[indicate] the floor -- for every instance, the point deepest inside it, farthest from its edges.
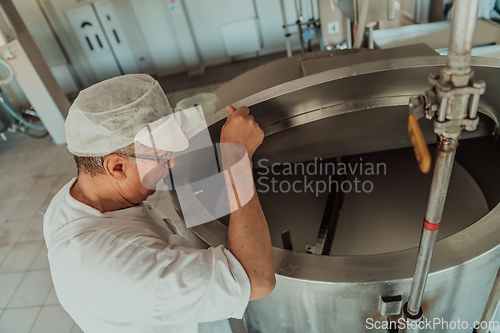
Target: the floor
(33, 171)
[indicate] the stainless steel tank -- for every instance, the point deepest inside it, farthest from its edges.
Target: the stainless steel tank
(355, 104)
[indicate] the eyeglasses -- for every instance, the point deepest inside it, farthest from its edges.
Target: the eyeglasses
(157, 159)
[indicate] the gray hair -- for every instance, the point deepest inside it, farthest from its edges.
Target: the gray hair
(94, 165)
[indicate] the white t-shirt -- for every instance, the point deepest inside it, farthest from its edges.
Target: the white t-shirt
(123, 271)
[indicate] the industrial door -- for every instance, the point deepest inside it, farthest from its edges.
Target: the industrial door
(102, 40)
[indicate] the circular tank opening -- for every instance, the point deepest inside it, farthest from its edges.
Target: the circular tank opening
(382, 209)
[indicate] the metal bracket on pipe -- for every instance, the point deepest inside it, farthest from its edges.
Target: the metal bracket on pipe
(468, 124)
(439, 104)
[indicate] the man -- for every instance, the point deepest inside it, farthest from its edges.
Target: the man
(116, 265)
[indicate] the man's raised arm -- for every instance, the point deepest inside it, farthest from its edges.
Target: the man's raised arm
(248, 234)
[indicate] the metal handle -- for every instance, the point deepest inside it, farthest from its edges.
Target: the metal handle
(419, 145)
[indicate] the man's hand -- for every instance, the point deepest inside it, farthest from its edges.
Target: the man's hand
(241, 128)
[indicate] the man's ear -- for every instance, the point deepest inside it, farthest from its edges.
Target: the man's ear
(114, 165)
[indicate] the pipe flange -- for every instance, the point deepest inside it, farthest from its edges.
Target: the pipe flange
(410, 316)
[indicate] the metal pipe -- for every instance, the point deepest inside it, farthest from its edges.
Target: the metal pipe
(371, 45)
(301, 37)
(19, 118)
(412, 321)
(474, 106)
(462, 30)
(299, 13)
(427, 241)
(445, 156)
(475, 98)
(348, 33)
(312, 11)
(320, 36)
(299, 24)
(285, 27)
(288, 47)
(491, 306)
(360, 31)
(442, 110)
(458, 72)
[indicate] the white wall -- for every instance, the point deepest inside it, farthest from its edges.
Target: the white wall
(162, 40)
(157, 32)
(208, 16)
(40, 30)
(130, 26)
(206, 19)
(55, 11)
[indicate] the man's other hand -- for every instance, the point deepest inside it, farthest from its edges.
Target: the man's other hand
(241, 128)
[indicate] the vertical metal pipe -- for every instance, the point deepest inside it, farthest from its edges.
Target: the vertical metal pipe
(445, 156)
(285, 28)
(371, 45)
(320, 36)
(462, 30)
(427, 241)
(442, 110)
(313, 17)
(474, 106)
(417, 10)
(348, 33)
(288, 46)
(491, 306)
(360, 32)
(300, 17)
(457, 71)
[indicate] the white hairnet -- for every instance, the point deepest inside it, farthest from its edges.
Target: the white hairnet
(108, 115)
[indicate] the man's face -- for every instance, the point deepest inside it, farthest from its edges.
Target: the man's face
(150, 166)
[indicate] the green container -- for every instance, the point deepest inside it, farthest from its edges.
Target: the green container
(207, 101)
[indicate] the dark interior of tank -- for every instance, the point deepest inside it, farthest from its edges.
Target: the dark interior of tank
(384, 196)
(373, 202)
